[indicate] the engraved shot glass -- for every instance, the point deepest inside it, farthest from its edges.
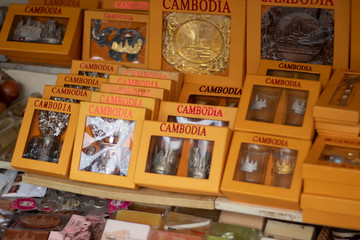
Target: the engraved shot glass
(200, 159)
(284, 165)
(296, 101)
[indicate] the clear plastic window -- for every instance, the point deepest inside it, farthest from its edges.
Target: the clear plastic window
(341, 155)
(346, 90)
(198, 121)
(293, 74)
(94, 74)
(214, 101)
(65, 99)
(95, 89)
(107, 145)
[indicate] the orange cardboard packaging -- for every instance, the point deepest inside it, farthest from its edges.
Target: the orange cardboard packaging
(166, 84)
(123, 5)
(93, 68)
(66, 94)
(178, 77)
(43, 34)
(203, 39)
(355, 36)
(106, 144)
(348, 130)
(340, 99)
(197, 114)
(121, 37)
(151, 104)
(158, 93)
(332, 167)
(84, 4)
(278, 106)
(46, 137)
(227, 96)
(304, 71)
(182, 158)
(264, 169)
(314, 32)
(76, 81)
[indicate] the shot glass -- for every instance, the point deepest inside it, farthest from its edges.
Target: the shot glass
(200, 159)
(284, 165)
(296, 101)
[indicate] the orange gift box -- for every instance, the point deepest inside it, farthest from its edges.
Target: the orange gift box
(33, 33)
(46, 148)
(182, 158)
(106, 144)
(265, 170)
(355, 36)
(124, 5)
(85, 82)
(278, 106)
(197, 114)
(274, 32)
(93, 68)
(84, 4)
(66, 93)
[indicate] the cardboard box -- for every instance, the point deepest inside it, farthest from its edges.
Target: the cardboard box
(43, 34)
(168, 150)
(355, 36)
(352, 130)
(340, 99)
(197, 114)
(84, 4)
(314, 72)
(151, 104)
(77, 81)
(158, 93)
(166, 84)
(278, 106)
(241, 219)
(265, 170)
(115, 229)
(120, 37)
(46, 149)
(330, 211)
(93, 68)
(204, 40)
(178, 77)
(66, 94)
(227, 96)
(106, 144)
(334, 161)
(135, 5)
(286, 230)
(274, 32)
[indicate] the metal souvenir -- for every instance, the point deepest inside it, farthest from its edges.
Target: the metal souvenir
(199, 163)
(248, 166)
(126, 41)
(164, 161)
(95, 89)
(347, 86)
(297, 34)
(284, 167)
(197, 43)
(94, 74)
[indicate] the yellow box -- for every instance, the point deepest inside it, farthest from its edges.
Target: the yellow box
(65, 93)
(120, 37)
(76, 81)
(208, 145)
(340, 99)
(138, 5)
(166, 84)
(353, 130)
(178, 77)
(197, 114)
(329, 211)
(278, 106)
(151, 104)
(106, 144)
(355, 36)
(227, 96)
(253, 162)
(45, 149)
(23, 36)
(93, 68)
(157, 93)
(334, 133)
(274, 32)
(85, 4)
(203, 39)
(315, 72)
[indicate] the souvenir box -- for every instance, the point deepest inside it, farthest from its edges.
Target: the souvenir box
(330, 211)
(45, 34)
(348, 130)
(187, 113)
(124, 5)
(227, 96)
(46, 137)
(340, 99)
(182, 158)
(315, 32)
(333, 167)
(204, 39)
(93, 68)
(66, 94)
(278, 106)
(84, 4)
(78, 81)
(265, 170)
(158, 93)
(178, 77)
(106, 144)
(120, 37)
(355, 36)
(166, 84)
(151, 104)
(315, 72)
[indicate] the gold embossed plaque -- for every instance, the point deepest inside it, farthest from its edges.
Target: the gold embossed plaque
(196, 43)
